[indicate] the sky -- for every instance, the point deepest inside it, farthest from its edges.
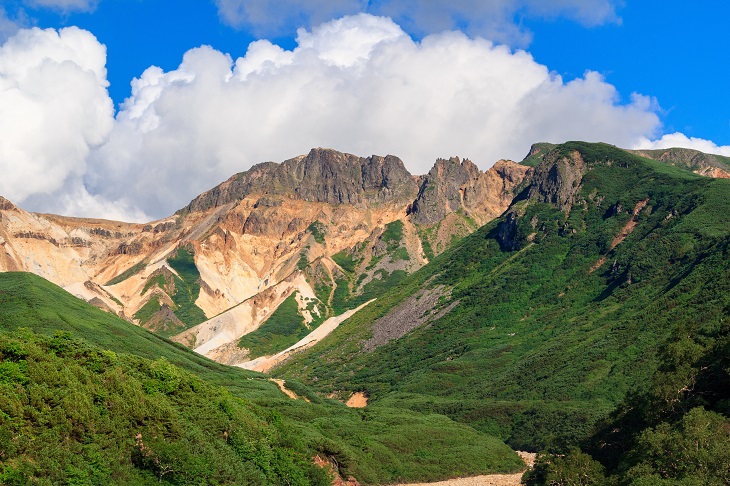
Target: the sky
(127, 109)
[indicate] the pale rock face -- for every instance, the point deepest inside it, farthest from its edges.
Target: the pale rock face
(242, 319)
(253, 235)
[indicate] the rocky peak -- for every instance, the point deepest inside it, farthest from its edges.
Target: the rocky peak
(454, 184)
(556, 180)
(441, 189)
(323, 175)
(326, 175)
(6, 205)
(234, 189)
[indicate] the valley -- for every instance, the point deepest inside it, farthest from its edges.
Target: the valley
(574, 303)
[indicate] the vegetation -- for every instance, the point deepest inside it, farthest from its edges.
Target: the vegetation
(346, 261)
(72, 413)
(393, 234)
(597, 334)
(357, 285)
(318, 230)
(133, 270)
(547, 336)
(28, 301)
(677, 431)
(424, 234)
(71, 410)
(148, 310)
(183, 289)
(535, 159)
(283, 328)
(158, 280)
(187, 287)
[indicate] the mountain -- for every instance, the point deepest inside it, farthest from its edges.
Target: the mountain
(578, 299)
(327, 229)
(700, 163)
(537, 325)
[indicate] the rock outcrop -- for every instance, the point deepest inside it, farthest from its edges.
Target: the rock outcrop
(557, 179)
(323, 175)
(453, 185)
(708, 165)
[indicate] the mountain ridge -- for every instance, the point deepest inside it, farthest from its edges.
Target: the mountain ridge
(353, 226)
(255, 231)
(603, 280)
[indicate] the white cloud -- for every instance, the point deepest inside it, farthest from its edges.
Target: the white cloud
(54, 107)
(678, 139)
(358, 84)
(494, 19)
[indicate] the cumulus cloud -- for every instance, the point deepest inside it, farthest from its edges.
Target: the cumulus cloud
(494, 19)
(54, 108)
(357, 84)
(681, 140)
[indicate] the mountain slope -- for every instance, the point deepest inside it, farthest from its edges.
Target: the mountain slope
(79, 385)
(694, 160)
(545, 318)
(220, 267)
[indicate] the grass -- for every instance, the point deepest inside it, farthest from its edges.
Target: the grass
(346, 261)
(284, 327)
(133, 270)
(158, 280)
(393, 234)
(187, 287)
(28, 301)
(148, 310)
(317, 229)
(425, 234)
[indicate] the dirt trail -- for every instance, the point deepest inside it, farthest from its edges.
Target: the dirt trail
(287, 392)
(486, 480)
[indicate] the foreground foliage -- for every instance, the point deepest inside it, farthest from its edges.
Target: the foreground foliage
(87, 398)
(72, 413)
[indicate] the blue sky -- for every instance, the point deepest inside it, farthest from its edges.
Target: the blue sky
(632, 73)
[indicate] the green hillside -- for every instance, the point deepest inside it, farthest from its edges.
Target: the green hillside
(28, 301)
(79, 386)
(552, 313)
(72, 413)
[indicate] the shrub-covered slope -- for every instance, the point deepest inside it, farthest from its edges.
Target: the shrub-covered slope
(676, 431)
(549, 315)
(72, 413)
(88, 398)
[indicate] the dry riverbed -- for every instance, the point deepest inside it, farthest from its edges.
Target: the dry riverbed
(486, 480)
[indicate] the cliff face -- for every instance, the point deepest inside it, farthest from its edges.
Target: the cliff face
(453, 185)
(557, 179)
(323, 175)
